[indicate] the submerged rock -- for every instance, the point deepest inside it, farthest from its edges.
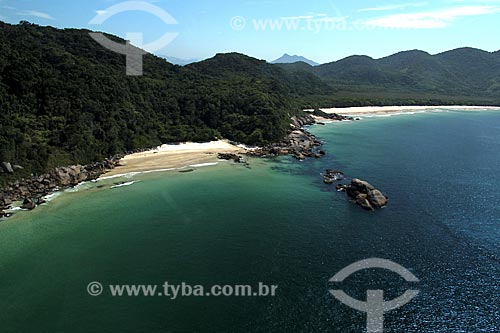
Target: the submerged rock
(341, 188)
(186, 170)
(331, 176)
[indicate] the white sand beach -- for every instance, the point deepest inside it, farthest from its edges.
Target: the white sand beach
(174, 156)
(381, 110)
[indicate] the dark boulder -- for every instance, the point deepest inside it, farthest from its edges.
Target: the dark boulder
(377, 199)
(61, 176)
(230, 157)
(28, 204)
(334, 174)
(363, 201)
(186, 170)
(361, 185)
(5, 202)
(341, 188)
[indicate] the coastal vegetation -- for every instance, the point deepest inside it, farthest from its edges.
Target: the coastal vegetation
(66, 100)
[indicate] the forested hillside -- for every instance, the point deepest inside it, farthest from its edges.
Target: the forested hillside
(65, 99)
(464, 75)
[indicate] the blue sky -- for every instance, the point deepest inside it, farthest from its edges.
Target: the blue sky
(322, 30)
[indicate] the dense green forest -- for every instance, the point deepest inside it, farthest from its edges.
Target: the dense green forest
(64, 99)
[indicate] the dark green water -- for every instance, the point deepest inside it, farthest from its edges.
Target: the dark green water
(274, 223)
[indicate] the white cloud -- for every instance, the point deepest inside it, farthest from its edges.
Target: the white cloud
(430, 20)
(313, 17)
(393, 7)
(36, 14)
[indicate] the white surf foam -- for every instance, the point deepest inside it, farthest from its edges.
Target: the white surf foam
(203, 165)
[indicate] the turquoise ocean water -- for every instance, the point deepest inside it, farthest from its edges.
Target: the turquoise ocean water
(274, 222)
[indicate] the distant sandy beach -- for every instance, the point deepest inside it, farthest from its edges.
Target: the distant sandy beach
(174, 157)
(381, 110)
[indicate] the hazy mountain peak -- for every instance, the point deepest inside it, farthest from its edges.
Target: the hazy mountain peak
(179, 61)
(290, 59)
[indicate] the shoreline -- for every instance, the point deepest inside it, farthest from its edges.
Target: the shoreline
(182, 157)
(187, 156)
(387, 110)
(170, 157)
(173, 157)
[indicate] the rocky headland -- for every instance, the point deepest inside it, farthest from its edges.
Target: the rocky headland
(31, 191)
(299, 142)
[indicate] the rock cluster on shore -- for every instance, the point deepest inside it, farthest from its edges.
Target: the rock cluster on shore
(230, 157)
(337, 117)
(298, 143)
(32, 190)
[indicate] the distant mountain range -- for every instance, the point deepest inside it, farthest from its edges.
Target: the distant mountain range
(289, 59)
(464, 72)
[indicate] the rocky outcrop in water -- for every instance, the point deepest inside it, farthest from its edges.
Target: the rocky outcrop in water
(33, 189)
(365, 194)
(331, 176)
